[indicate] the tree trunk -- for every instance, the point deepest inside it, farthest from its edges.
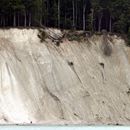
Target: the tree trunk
(14, 19)
(59, 13)
(76, 15)
(29, 19)
(47, 19)
(25, 19)
(65, 22)
(110, 24)
(7, 20)
(40, 21)
(0, 21)
(92, 19)
(100, 22)
(4, 22)
(41, 16)
(10, 20)
(18, 19)
(84, 17)
(73, 3)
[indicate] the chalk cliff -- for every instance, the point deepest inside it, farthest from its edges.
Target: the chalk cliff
(75, 83)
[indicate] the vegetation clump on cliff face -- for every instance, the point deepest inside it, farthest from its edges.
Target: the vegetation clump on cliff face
(76, 36)
(107, 48)
(42, 35)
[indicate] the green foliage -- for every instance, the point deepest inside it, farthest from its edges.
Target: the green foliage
(16, 5)
(112, 15)
(76, 36)
(37, 10)
(107, 49)
(54, 15)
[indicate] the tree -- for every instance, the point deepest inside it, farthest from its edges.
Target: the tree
(96, 13)
(120, 14)
(73, 4)
(92, 15)
(59, 13)
(36, 9)
(4, 7)
(84, 14)
(15, 6)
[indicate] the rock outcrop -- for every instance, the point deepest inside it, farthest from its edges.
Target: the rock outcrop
(74, 83)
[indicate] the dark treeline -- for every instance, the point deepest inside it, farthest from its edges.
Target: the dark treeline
(91, 15)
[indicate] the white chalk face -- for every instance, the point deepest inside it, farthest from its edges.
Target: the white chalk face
(41, 83)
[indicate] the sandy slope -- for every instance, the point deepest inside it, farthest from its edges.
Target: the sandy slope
(39, 83)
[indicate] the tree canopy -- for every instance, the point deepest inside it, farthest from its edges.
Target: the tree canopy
(90, 15)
